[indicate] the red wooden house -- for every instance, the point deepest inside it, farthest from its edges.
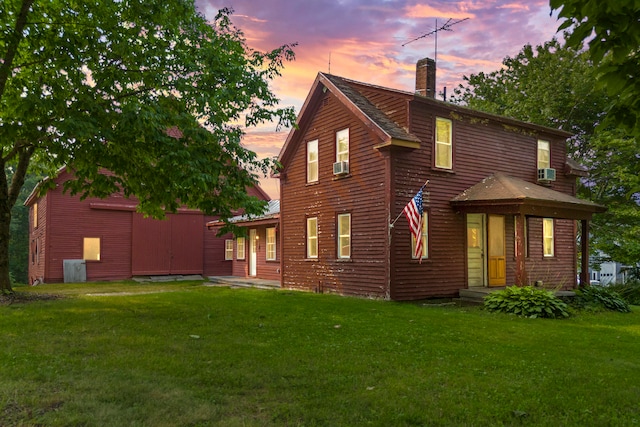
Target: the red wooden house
(115, 241)
(500, 208)
(257, 253)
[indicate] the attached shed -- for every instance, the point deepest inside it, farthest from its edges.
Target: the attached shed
(256, 253)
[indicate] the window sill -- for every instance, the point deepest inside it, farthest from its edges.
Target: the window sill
(449, 171)
(339, 177)
(344, 259)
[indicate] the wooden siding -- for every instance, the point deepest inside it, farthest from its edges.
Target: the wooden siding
(38, 241)
(181, 244)
(382, 181)
(361, 193)
(480, 148)
(265, 269)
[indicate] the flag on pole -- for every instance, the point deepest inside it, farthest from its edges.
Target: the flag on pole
(413, 211)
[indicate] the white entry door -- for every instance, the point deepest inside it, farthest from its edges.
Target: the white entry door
(253, 252)
(476, 231)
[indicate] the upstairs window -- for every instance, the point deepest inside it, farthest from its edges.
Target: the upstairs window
(544, 155)
(312, 161)
(271, 244)
(342, 145)
(35, 215)
(344, 236)
(444, 144)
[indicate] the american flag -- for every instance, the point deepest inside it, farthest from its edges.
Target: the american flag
(413, 211)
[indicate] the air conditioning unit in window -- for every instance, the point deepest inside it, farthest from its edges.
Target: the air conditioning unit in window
(546, 174)
(340, 168)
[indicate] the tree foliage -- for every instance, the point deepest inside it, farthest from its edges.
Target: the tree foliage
(612, 30)
(550, 85)
(147, 89)
(555, 86)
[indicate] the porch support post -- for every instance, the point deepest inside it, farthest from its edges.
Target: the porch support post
(584, 241)
(521, 270)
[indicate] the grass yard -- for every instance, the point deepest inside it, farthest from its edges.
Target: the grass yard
(199, 356)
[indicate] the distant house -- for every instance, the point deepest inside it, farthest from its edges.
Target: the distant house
(257, 253)
(115, 242)
(499, 207)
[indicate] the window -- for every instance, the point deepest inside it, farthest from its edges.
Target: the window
(425, 240)
(312, 161)
(547, 233)
(35, 215)
(271, 244)
(240, 248)
(444, 145)
(344, 236)
(312, 237)
(544, 155)
(228, 250)
(91, 249)
(342, 145)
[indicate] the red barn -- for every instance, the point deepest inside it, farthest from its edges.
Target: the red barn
(499, 207)
(115, 241)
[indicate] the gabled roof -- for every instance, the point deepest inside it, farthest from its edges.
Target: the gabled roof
(271, 215)
(372, 117)
(390, 132)
(500, 193)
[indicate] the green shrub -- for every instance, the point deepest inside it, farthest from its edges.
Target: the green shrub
(526, 301)
(601, 297)
(630, 291)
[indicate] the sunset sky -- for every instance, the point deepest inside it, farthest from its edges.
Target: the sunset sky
(363, 40)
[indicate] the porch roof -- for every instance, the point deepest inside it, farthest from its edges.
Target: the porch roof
(503, 194)
(271, 215)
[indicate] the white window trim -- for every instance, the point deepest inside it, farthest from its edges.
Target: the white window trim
(271, 246)
(312, 163)
(342, 155)
(228, 250)
(240, 248)
(425, 238)
(546, 235)
(342, 235)
(312, 239)
(448, 145)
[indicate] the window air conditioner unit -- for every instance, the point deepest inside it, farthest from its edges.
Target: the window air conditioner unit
(340, 168)
(546, 174)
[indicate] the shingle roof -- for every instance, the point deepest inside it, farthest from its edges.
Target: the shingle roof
(374, 114)
(500, 190)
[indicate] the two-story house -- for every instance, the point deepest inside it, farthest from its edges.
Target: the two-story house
(499, 207)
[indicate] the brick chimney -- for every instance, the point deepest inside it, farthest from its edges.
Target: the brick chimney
(426, 77)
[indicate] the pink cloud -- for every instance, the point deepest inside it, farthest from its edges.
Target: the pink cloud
(364, 40)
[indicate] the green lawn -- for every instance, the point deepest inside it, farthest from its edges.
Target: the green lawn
(194, 355)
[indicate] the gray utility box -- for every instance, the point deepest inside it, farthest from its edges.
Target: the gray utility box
(75, 270)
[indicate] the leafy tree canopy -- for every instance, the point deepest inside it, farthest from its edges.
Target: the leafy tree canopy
(147, 89)
(612, 30)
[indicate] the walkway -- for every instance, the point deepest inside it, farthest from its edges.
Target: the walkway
(244, 282)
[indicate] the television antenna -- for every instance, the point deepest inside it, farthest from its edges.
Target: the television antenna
(445, 27)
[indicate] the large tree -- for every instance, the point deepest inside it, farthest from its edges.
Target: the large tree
(555, 85)
(146, 89)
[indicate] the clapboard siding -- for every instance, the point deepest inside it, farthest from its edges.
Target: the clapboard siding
(387, 167)
(130, 244)
(361, 194)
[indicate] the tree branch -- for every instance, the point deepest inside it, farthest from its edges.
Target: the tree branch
(14, 41)
(17, 181)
